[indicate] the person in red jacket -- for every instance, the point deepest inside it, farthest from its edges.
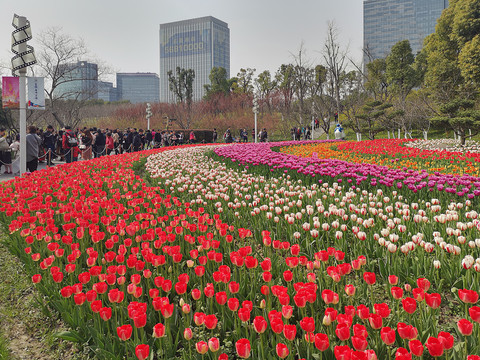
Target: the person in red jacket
(109, 144)
(70, 145)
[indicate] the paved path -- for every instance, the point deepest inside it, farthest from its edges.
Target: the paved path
(16, 169)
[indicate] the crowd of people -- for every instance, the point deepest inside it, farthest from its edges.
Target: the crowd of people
(301, 133)
(71, 145)
(243, 136)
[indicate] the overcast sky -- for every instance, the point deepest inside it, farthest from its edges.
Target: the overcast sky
(125, 34)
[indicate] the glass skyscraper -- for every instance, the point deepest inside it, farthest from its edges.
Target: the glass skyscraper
(138, 87)
(199, 44)
(77, 81)
(386, 22)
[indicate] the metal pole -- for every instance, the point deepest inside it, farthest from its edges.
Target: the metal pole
(22, 21)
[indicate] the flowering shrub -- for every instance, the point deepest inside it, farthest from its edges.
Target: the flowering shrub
(206, 259)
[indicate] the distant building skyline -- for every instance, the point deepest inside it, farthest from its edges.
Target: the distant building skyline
(198, 44)
(138, 87)
(78, 81)
(386, 22)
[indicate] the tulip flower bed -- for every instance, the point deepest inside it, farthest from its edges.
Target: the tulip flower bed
(253, 258)
(399, 154)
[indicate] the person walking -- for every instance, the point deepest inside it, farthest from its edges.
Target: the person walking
(109, 144)
(215, 135)
(5, 152)
(33, 146)
(99, 144)
(86, 147)
(70, 145)
(193, 139)
(49, 141)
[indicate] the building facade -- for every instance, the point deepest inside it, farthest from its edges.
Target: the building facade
(199, 44)
(386, 22)
(78, 81)
(138, 87)
(107, 92)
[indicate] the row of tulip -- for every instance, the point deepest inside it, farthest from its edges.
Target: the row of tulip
(210, 260)
(294, 212)
(397, 154)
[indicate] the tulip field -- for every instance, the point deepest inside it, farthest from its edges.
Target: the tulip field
(291, 250)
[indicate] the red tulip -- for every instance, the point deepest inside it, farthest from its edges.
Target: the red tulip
(434, 346)
(369, 278)
(433, 300)
(393, 279)
(287, 275)
(287, 311)
(289, 331)
(402, 354)
(409, 305)
(223, 356)
(260, 324)
(321, 342)
(375, 321)
(473, 357)
(468, 296)
(105, 313)
(244, 314)
(307, 324)
(210, 322)
(342, 352)
(360, 330)
(363, 312)
(418, 294)
(396, 292)
(277, 325)
(423, 283)
(243, 348)
(416, 347)
(282, 350)
(233, 304)
(465, 327)
(142, 351)
(343, 331)
(446, 339)
(124, 332)
(221, 297)
(382, 309)
(407, 331)
(36, 278)
(198, 318)
(213, 344)
(359, 343)
(233, 287)
(159, 331)
(201, 347)
(388, 335)
(187, 334)
(474, 312)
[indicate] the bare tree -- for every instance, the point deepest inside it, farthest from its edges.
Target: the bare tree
(59, 57)
(336, 62)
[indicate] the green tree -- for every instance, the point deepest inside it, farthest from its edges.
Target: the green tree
(400, 70)
(453, 59)
(376, 83)
(244, 81)
(218, 83)
(181, 85)
(373, 117)
(265, 86)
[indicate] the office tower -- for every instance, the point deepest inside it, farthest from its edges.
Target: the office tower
(138, 87)
(107, 92)
(78, 81)
(199, 44)
(386, 22)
